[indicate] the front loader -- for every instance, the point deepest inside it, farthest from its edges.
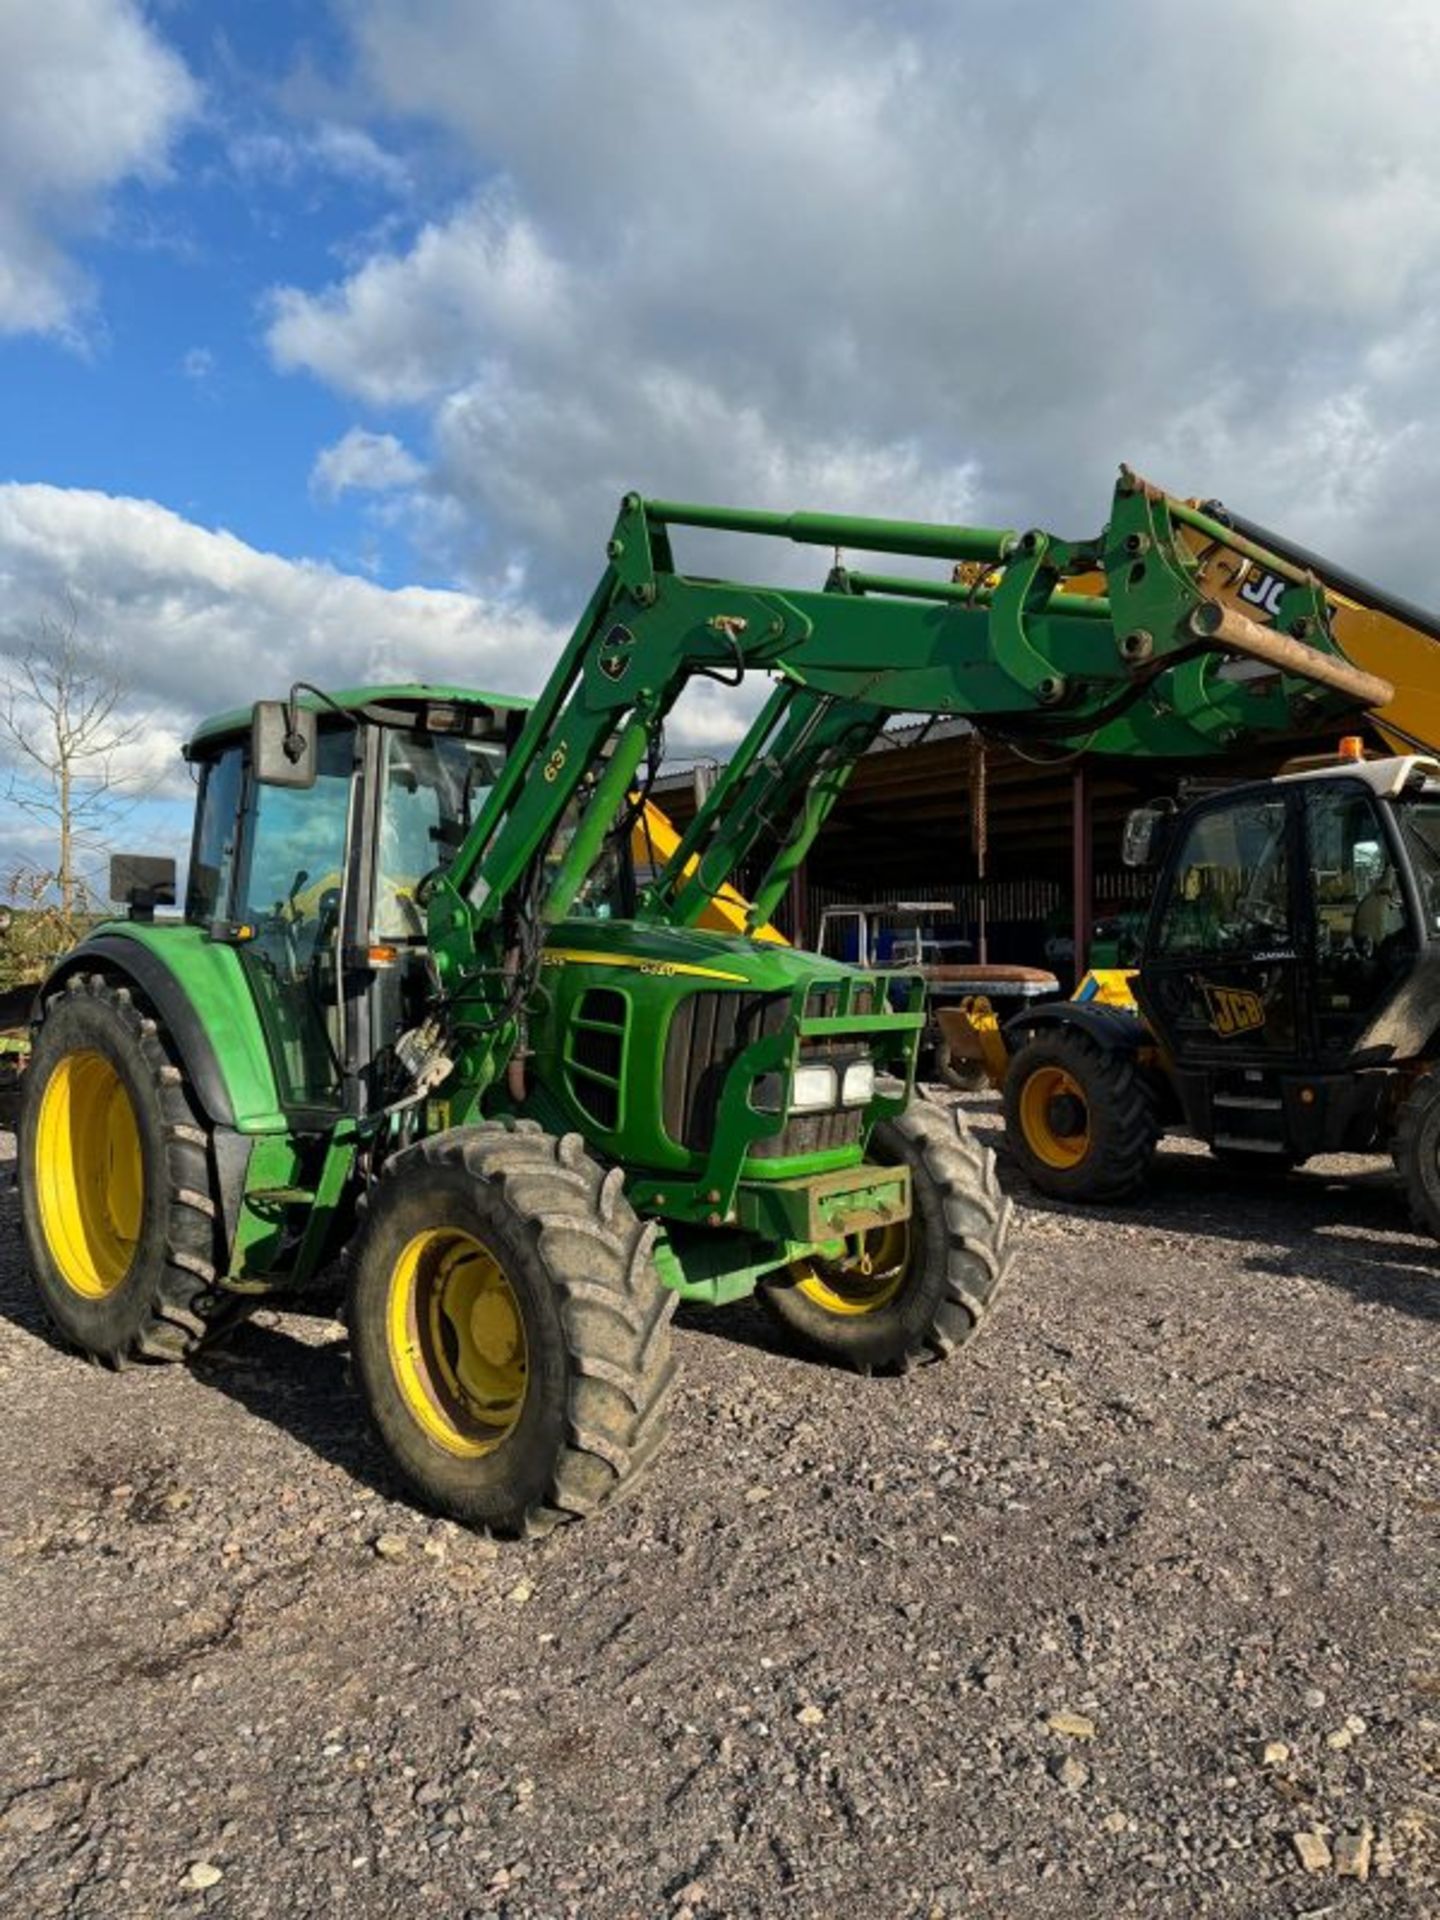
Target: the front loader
(422, 1025)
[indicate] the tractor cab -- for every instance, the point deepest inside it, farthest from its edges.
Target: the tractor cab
(317, 884)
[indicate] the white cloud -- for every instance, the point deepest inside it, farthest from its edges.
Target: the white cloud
(284, 155)
(198, 364)
(89, 98)
(951, 257)
(201, 621)
(407, 326)
(361, 461)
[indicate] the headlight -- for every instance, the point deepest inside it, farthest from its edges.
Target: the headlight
(857, 1089)
(813, 1090)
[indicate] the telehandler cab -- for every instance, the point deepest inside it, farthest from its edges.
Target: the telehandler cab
(418, 1013)
(1286, 1001)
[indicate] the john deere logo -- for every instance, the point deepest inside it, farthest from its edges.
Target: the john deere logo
(615, 653)
(1232, 1010)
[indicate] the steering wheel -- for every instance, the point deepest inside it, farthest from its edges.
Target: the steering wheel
(1262, 913)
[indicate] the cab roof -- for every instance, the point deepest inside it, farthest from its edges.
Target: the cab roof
(1389, 777)
(413, 694)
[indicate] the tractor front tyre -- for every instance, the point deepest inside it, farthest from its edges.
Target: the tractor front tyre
(117, 1195)
(921, 1288)
(509, 1331)
(1416, 1151)
(1082, 1119)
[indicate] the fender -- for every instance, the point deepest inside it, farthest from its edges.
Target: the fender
(1113, 1028)
(198, 990)
(140, 966)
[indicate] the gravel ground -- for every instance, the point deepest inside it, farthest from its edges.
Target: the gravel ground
(1129, 1611)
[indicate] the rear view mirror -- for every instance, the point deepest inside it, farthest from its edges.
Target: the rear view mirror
(282, 744)
(142, 882)
(1147, 834)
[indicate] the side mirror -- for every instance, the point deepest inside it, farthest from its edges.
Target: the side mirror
(1147, 834)
(142, 882)
(283, 744)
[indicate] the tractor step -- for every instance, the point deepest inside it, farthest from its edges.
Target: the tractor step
(1252, 1102)
(1249, 1143)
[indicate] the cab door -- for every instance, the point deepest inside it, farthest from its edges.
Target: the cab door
(294, 849)
(1221, 978)
(1364, 933)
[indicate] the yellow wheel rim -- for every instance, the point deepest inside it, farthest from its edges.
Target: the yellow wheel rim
(1055, 1117)
(89, 1174)
(457, 1342)
(863, 1282)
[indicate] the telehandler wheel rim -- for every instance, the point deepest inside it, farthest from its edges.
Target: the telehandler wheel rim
(457, 1342)
(1056, 1117)
(89, 1174)
(863, 1282)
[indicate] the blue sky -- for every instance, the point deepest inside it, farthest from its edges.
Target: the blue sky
(330, 334)
(171, 394)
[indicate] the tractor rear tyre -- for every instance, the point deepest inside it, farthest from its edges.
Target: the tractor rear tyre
(958, 1073)
(1082, 1119)
(1417, 1151)
(509, 1331)
(117, 1194)
(922, 1288)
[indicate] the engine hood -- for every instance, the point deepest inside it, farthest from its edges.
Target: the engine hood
(712, 959)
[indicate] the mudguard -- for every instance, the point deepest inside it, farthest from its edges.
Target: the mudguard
(197, 989)
(1114, 1028)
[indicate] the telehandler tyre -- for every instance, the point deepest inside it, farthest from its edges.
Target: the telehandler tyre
(1416, 1151)
(922, 1288)
(510, 1334)
(116, 1191)
(1083, 1120)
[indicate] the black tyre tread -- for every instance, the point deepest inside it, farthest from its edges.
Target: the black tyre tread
(1408, 1151)
(184, 1305)
(978, 1218)
(1131, 1112)
(597, 1254)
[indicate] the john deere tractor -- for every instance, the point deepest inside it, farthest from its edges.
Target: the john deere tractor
(419, 1027)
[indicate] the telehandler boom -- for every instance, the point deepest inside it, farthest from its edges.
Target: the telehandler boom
(416, 1013)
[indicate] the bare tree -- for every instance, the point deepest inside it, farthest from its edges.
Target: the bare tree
(62, 729)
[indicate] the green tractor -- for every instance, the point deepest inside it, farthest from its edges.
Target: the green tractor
(419, 1033)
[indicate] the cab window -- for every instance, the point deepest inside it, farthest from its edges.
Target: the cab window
(1230, 891)
(434, 785)
(217, 827)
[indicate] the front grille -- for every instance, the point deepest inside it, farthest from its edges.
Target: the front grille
(707, 1034)
(811, 1133)
(597, 1055)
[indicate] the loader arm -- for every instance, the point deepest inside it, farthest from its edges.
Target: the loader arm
(1144, 670)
